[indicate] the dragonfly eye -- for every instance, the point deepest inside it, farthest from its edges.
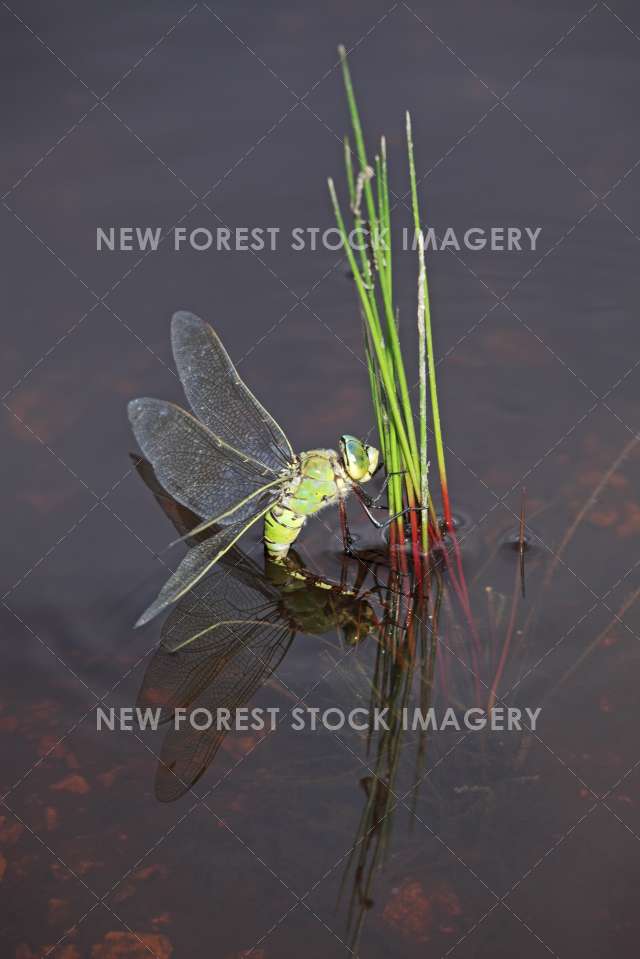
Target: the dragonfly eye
(373, 456)
(358, 460)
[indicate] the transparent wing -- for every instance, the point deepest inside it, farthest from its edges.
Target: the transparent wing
(196, 467)
(182, 518)
(198, 561)
(231, 593)
(225, 677)
(219, 397)
(174, 679)
(216, 614)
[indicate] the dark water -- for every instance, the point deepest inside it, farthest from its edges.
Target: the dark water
(520, 844)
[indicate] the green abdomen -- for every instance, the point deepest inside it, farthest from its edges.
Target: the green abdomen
(316, 486)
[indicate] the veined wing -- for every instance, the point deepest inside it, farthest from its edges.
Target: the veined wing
(177, 678)
(181, 516)
(196, 467)
(220, 398)
(225, 596)
(187, 752)
(188, 525)
(199, 560)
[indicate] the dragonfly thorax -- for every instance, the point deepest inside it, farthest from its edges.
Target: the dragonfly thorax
(320, 480)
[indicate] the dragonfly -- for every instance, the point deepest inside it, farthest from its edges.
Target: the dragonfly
(225, 639)
(230, 463)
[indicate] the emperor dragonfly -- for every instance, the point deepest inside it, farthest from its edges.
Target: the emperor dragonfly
(230, 462)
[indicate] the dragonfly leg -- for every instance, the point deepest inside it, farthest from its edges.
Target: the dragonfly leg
(363, 498)
(372, 501)
(347, 538)
(403, 512)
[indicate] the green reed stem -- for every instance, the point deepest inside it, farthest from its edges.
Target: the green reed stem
(435, 408)
(422, 372)
(384, 359)
(348, 165)
(379, 225)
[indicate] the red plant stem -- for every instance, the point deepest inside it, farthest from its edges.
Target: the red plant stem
(461, 586)
(446, 508)
(458, 580)
(401, 553)
(411, 640)
(507, 643)
(415, 538)
(463, 583)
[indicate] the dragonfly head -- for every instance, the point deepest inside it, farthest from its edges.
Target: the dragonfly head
(358, 621)
(359, 460)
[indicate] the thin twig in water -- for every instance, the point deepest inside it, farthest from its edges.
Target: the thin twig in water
(521, 539)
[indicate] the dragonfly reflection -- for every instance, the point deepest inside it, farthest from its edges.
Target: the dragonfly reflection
(224, 640)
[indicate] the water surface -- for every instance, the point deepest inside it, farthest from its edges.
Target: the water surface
(523, 845)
